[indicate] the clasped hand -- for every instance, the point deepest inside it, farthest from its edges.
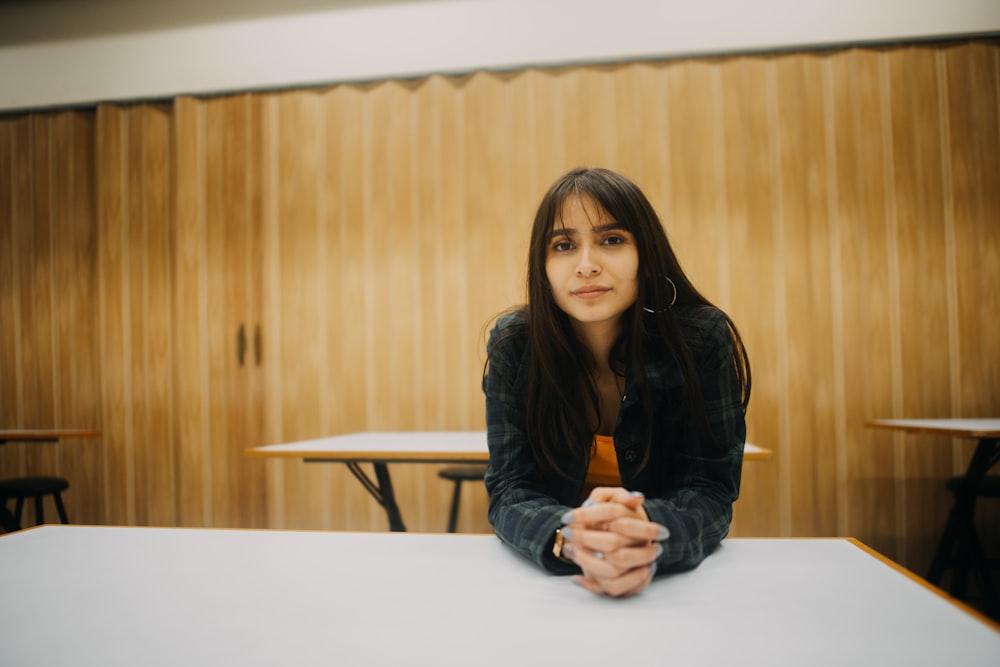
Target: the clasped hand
(613, 541)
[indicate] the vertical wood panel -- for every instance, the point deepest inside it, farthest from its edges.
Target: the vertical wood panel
(76, 329)
(747, 132)
(806, 234)
(586, 117)
(862, 215)
(920, 254)
(641, 130)
(232, 245)
(10, 292)
(47, 358)
(190, 316)
(152, 294)
(971, 99)
(252, 490)
(972, 78)
(223, 247)
(16, 251)
(297, 324)
(115, 349)
(692, 212)
(37, 310)
(344, 338)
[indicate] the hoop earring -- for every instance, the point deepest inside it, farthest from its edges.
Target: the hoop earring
(672, 301)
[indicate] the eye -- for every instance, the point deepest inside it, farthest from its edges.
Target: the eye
(562, 246)
(614, 239)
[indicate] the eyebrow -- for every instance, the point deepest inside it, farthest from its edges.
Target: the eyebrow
(599, 229)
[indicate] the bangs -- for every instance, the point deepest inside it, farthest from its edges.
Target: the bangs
(604, 188)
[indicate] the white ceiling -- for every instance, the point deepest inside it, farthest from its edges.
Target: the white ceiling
(57, 53)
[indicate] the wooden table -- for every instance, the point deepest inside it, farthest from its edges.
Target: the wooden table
(959, 534)
(381, 448)
(36, 435)
(157, 597)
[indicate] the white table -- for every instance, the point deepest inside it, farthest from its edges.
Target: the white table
(959, 535)
(381, 448)
(147, 596)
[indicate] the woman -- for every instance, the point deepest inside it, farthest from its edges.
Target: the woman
(617, 390)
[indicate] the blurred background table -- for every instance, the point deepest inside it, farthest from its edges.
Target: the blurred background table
(381, 448)
(959, 546)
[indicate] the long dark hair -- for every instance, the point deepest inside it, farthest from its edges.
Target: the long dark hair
(562, 396)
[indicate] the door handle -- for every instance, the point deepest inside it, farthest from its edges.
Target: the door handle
(256, 344)
(241, 344)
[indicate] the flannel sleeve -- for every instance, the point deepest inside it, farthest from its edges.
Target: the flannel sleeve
(704, 476)
(522, 510)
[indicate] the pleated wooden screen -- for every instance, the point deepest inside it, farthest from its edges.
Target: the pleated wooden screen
(843, 206)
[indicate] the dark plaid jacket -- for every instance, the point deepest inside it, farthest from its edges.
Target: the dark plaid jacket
(690, 483)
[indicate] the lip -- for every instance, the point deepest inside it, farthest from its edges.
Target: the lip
(590, 292)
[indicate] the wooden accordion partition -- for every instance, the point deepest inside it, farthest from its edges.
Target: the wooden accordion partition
(197, 276)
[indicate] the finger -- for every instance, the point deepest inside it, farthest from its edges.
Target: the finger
(625, 585)
(637, 530)
(598, 513)
(593, 562)
(604, 514)
(589, 584)
(600, 565)
(632, 500)
(615, 563)
(593, 540)
(629, 583)
(613, 494)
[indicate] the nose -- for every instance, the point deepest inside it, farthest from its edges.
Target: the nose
(588, 265)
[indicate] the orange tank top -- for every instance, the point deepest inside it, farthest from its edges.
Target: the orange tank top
(603, 470)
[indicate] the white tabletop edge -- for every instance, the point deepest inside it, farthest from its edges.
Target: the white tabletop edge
(259, 597)
(959, 427)
(406, 446)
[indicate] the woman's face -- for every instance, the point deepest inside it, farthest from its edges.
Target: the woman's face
(592, 263)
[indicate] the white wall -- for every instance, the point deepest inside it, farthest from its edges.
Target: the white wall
(353, 41)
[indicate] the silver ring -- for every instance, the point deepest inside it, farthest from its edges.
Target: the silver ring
(599, 555)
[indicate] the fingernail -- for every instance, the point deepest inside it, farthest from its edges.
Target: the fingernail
(659, 550)
(567, 517)
(588, 502)
(567, 533)
(568, 551)
(652, 570)
(663, 534)
(636, 494)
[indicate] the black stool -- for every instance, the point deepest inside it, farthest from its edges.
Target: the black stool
(21, 488)
(459, 474)
(971, 557)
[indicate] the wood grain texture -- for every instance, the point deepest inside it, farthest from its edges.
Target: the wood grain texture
(841, 205)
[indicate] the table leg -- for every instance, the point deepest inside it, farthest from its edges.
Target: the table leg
(7, 520)
(381, 491)
(960, 531)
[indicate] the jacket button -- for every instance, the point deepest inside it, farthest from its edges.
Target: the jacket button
(631, 456)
